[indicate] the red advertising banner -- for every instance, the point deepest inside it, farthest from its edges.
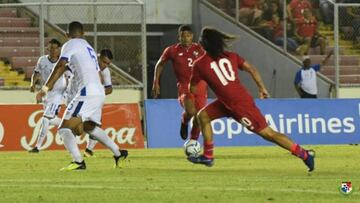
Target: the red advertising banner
(20, 126)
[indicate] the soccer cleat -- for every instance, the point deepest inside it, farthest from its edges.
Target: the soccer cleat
(74, 166)
(123, 155)
(34, 150)
(310, 160)
(201, 160)
(184, 131)
(89, 153)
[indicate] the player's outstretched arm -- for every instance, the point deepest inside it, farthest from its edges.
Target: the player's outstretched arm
(58, 70)
(263, 93)
(323, 62)
(159, 67)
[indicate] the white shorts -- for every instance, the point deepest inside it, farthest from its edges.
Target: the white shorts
(51, 109)
(88, 108)
(52, 104)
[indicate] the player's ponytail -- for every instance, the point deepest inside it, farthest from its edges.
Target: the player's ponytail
(214, 42)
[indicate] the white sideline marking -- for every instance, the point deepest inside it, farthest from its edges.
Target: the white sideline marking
(234, 189)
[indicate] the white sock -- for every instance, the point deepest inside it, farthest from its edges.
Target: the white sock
(55, 121)
(91, 144)
(70, 144)
(43, 132)
(101, 136)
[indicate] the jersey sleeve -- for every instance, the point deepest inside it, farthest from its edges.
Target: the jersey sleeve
(240, 61)
(37, 68)
(67, 51)
(297, 77)
(316, 67)
(166, 55)
(106, 77)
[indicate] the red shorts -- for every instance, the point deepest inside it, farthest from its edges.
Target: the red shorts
(245, 113)
(199, 98)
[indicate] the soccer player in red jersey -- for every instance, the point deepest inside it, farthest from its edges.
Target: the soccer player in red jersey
(182, 55)
(218, 68)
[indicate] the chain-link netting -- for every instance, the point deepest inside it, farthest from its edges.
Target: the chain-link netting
(348, 16)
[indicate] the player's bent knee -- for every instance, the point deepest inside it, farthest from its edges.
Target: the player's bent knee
(75, 124)
(89, 126)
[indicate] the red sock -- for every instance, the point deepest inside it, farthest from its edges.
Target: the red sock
(298, 151)
(195, 132)
(184, 118)
(209, 149)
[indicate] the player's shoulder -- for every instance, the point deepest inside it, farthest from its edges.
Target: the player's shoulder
(75, 42)
(106, 70)
(196, 45)
(43, 57)
(202, 59)
(172, 47)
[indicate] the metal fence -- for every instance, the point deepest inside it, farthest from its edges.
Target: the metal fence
(290, 26)
(119, 26)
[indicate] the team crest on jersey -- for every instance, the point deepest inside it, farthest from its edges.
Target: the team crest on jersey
(196, 53)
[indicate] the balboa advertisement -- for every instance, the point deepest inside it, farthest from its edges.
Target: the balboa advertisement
(20, 126)
(306, 121)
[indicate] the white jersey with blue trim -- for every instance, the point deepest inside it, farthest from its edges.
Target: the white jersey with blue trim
(73, 86)
(106, 76)
(83, 63)
(44, 67)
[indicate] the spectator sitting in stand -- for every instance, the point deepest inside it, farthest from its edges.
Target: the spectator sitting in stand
(296, 8)
(308, 35)
(278, 34)
(249, 12)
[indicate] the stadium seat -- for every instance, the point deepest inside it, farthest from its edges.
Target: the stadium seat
(348, 79)
(8, 12)
(344, 70)
(348, 60)
(21, 42)
(316, 50)
(15, 22)
(9, 52)
(22, 62)
(19, 32)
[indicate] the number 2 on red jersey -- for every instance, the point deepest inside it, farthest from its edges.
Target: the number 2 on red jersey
(223, 70)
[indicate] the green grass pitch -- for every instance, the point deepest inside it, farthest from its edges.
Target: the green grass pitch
(240, 174)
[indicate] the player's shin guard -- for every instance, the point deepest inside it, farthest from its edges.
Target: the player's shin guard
(91, 144)
(101, 136)
(298, 151)
(70, 144)
(209, 149)
(43, 132)
(195, 132)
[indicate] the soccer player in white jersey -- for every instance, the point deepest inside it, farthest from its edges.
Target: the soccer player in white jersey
(86, 107)
(54, 98)
(104, 58)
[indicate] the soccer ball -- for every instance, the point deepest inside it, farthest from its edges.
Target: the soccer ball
(192, 148)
